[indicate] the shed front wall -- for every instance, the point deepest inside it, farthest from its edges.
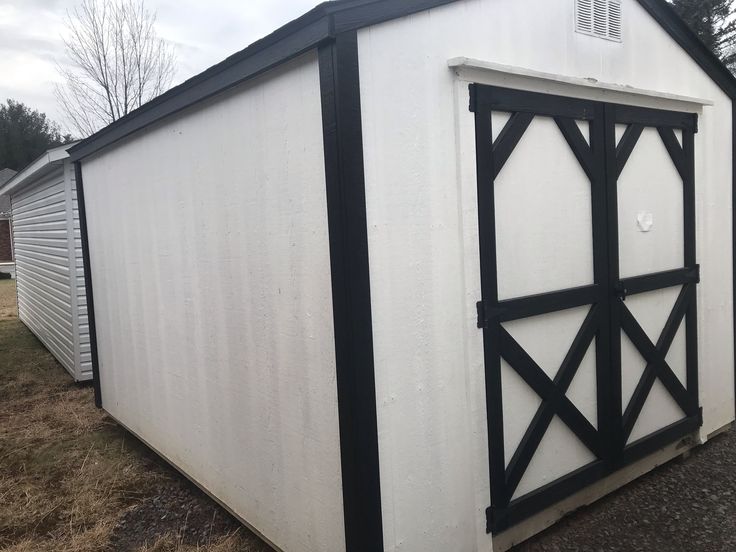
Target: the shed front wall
(48, 267)
(210, 260)
(423, 235)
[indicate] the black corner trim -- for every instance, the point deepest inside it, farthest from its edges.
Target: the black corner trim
(88, 284)
(351, 296)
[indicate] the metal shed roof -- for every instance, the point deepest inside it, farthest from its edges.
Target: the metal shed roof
(40, 166)
(322, 24)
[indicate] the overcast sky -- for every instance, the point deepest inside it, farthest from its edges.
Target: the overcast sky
(202, 31)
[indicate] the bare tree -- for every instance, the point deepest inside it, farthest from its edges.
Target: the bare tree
(117, 62)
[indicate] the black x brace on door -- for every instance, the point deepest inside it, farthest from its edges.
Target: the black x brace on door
(602, 157)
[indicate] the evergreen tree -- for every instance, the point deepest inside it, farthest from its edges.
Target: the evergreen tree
(25, 134)
(714, 21)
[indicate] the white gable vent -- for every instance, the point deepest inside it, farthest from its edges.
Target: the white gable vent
(601, 18)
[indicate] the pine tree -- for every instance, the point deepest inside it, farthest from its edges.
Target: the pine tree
(714, 21)
(25, 134)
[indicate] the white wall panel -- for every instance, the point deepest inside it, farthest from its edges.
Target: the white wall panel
(210, 261)
(650, 186)
(534, 230)
(423, 236)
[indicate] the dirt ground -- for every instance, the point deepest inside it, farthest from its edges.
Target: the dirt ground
(72, 481)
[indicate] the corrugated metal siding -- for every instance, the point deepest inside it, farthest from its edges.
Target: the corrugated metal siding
(41, 237)
(52, 300)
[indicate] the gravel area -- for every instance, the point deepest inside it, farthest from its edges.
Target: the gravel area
(179, 509)
(687, 505)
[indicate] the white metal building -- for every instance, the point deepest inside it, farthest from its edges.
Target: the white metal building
(7, 266)
(52, 300)
(462, 267)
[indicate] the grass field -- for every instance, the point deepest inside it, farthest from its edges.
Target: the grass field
(72, 480)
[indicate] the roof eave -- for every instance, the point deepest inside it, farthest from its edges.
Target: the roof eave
(305, 33)
(36, 168)
(322, 24)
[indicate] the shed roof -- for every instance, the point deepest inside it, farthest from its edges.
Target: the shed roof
(321, 25)
(41, 166)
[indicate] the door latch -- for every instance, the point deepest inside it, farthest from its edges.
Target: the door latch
(621, 291)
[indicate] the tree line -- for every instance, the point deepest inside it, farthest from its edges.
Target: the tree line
(714, 21)
(115, 62)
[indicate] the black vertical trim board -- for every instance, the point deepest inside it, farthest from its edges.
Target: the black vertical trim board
(612, 169)
(81, 207)
(346, 208)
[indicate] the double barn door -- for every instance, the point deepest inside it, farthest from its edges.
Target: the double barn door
(589, 274)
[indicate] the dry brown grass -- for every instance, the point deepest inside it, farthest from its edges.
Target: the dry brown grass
(7, 299)
(228, 543)
(67, 472)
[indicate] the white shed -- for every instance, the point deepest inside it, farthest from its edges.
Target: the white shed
(461, 267)
(52, 300)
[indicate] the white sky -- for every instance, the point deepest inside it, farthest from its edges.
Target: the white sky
(203, 32)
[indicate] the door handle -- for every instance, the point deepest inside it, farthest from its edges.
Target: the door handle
(620, 291)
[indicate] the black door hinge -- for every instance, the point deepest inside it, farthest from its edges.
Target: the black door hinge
(482, 318)
(620, 291)
(490, 519)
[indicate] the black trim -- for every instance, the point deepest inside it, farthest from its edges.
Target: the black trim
(632, 115)
(519, 101)
(544, 303)
(351, 294)
(659, 280)
(82, 210)
(305, 33)
(626, 146)
(602, 160)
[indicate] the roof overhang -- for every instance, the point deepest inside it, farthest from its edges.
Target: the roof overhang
(37, 169)
(323, 24)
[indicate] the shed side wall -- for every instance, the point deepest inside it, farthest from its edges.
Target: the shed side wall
(210, 260)
(84, 355)
(422, 220)
(41, 240)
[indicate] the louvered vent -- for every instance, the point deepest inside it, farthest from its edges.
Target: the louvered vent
(601, 18)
